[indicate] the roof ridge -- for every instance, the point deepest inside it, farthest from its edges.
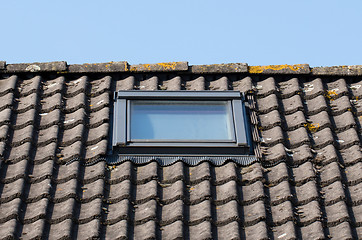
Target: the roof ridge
(63, 67)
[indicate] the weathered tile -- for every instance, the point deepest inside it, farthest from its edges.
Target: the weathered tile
(145, 230)
(285, 231)
(62, 211)
(90, 210)
(266, 87)
(292, 104)
(254, 213)
(341, 231)
(201, 231)
(313, 231)
(118, 211)
(60, 230)
(289, 87)
(336, 213)
(33, 230)
(229, 231)
(173, 231)
(119, 230)
(267, 104)
(257, 231)
(309, 213)
(89, 230)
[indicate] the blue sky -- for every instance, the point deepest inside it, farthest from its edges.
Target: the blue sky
(321, 33)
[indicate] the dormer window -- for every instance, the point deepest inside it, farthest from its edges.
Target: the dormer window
(180, 122)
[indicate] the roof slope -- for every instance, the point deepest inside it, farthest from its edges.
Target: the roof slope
(308, 184)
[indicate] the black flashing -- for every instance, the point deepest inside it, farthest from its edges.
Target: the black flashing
(189, 160)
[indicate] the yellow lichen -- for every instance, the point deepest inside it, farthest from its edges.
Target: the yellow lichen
(149, 67)
(261, 69)
(168, 66)
(331, 94)
(312, 127)
(140, 67)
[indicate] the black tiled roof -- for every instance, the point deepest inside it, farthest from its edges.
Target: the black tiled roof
(55, 184)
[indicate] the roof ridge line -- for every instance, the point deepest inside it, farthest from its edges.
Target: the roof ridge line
(62, 67)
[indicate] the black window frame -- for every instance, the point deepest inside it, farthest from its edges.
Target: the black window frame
(242, 144)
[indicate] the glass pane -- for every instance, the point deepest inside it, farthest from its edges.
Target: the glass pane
(181, 120)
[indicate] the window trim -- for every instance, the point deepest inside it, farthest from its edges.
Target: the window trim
(241, 129)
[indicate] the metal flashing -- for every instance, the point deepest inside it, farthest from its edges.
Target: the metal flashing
(189, 160)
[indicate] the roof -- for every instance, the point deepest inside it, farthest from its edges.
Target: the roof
(56, 184)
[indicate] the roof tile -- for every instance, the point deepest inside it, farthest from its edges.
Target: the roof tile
(313, 231)
(37, 67)
(54, 86)
(257, 231)
(36, 210)
(145, 230)
(201, 231)
(357, 213)
(160, 67)
(341, 231)
(282, 213)
(254, 213)
(53, 178)
(62, 211)
(336, 214)
(197, 84)
(220, 68)
(118, 211)
(10, 210)
(243, 84)
(355, 70)
(229, 231)
(33, 230)
(289, 87)
(119, 230)
(89, 211)
(62, 229)
(98, 67)
(292, 104)
(89, 230)
(309, 213)
(285, 231)
(267, 104)
(8, 229)
(280, 69)
(280, 193)
(307, 192)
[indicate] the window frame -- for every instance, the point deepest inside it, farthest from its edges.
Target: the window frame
(241, 144)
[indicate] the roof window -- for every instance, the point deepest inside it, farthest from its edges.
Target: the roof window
(180, 123)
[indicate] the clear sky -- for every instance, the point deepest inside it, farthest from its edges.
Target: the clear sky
(319, 32)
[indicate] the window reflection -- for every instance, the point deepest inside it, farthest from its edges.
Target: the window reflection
(181, 120)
